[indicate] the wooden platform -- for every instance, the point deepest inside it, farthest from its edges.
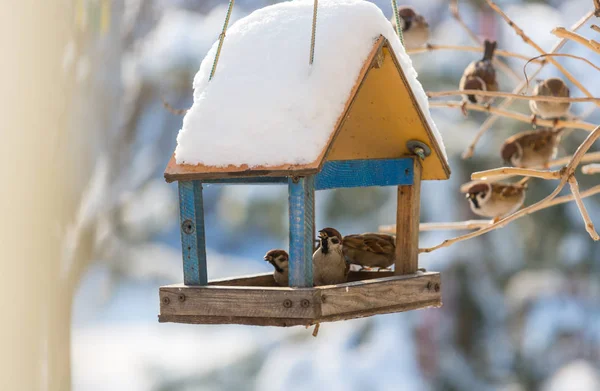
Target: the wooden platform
(256, 300)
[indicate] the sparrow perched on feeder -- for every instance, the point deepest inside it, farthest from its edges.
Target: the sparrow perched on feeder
(280, 261)
(415, 29)
(532, 148)
(495, 200)
(480, 75)
(550, 110)
(370, 250)
(329, 265)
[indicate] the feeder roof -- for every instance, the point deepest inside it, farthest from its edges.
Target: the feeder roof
(267, 112)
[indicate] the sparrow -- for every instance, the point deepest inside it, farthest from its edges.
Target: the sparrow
(480, 75)
(329, 264)
(550, 110)
(495, 199)
(280, 261)
(531, 149)
(415, 29)
(370, 250)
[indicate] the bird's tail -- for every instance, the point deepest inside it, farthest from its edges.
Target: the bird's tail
(489, 48)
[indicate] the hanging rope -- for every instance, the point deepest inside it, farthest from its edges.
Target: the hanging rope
(314, 31)
(221, 39)
(397, 16)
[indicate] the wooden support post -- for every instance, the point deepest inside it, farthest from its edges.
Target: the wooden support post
(407, 223)
(191, 218)
(302, 232)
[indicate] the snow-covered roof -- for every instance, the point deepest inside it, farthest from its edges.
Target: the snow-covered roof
(266, 106)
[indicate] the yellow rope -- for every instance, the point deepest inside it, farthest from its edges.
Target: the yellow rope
(314, 30)
(221, 39)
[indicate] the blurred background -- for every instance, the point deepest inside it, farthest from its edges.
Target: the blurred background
(91, 231)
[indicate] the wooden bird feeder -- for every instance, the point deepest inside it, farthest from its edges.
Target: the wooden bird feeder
(381, 139)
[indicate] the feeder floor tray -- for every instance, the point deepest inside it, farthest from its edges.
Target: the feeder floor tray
(257, 300)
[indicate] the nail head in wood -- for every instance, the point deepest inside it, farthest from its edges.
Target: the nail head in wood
(429, 286)
(166, 300)
(305, 303)
(181, 297)
(437, 287)
(187, 227)
(287, 303)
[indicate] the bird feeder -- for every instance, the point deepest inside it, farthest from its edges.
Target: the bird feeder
(381, 139)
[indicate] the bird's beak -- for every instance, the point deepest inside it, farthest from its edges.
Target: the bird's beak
(322, 235)
(267, 258)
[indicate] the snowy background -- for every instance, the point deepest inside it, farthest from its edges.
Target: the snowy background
(521, 305)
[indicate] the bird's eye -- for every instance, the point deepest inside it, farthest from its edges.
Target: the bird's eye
(335, 240)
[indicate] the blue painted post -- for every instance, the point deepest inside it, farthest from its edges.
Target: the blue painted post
(191, 218)
(302, 230)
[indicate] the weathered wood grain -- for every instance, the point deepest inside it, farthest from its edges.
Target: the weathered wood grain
(264, 306)
(191, 220)
(407, 223)
(364, 172)
(379, 293)
(302, 215)
(238, 301)
(263, 279)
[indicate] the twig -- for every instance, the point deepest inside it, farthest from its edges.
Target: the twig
(476, 224)
(479, 49)
(500, 64)
(495, 173)
(171, 109)
(558, 55)
(316, 330)
(435, 94)
(597, 8)
(512, 114)
(534, 45)
(591, 169)
(566, 173)
(490, 121)
(595, 28)
(589, 157)
(562, 32)
(589, 226)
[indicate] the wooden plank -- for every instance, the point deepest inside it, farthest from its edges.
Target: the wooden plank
(193, 246)
(253, 180)
(239, 301)
(302, 233)
(364, 173)
(266, 279)
(188, 172)
(383, 117)
(331, 303)
(407, 223)
(380, 293)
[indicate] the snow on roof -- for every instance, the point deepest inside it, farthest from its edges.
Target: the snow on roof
(266, 105)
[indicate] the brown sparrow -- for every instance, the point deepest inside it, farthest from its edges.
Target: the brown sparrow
(280, 261)
(550, 110)
(532, 148)
(495, 199)
(415, 29)
(329, 264)
(370, 250)
(480, 75)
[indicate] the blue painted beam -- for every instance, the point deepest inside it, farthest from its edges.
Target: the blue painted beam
(249, 181)
(302, 231)
(363, 173)
(193, 245)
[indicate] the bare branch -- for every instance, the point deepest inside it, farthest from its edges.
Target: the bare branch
(478, 49)
(560, 55)
(561, 32)
(500, 64)
(512, 114)
(505, 172)
(589, 226)
(434, 94)
(534, 45)
(591, 169)
(566, 173)
(507, 102)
